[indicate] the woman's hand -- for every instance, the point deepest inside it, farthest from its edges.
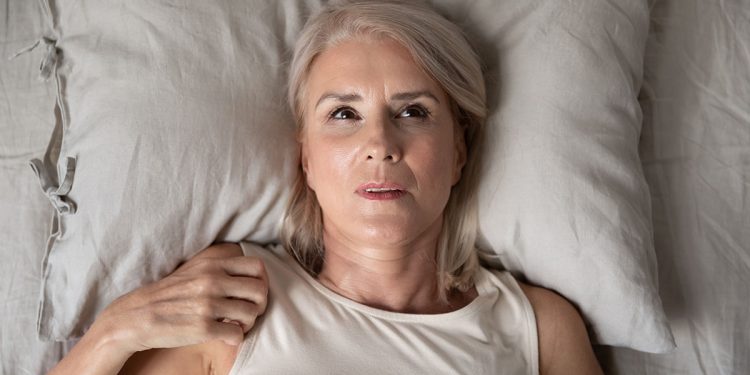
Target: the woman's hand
(217, 294)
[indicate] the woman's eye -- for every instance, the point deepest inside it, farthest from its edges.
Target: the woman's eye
(414, 111)
(344, 114)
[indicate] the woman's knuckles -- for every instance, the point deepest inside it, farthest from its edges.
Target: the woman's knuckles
(262, 300)
(200, 266)
(244, 265)
(202, 285)
(206, 307)
(258, 265)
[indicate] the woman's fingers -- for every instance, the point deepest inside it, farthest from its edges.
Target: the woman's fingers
(229, 333)
(194, 304)
(234, 266)
(220, 309)
(243, 266)
(194, 321)
(248, 289)
(245, 288)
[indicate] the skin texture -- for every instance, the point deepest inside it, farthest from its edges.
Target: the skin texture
(564, 346)
(363, 130)
(176, 325)
(371, 115)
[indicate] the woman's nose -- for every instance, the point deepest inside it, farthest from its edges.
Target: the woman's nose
(382, 142)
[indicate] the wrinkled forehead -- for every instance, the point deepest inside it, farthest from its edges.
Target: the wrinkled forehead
(370, 69)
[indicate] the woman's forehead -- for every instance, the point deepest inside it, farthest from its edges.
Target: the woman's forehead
(362, 67)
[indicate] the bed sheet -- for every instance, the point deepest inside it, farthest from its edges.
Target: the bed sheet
(695, 150)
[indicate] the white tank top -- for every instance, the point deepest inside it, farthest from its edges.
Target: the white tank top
(309, 329)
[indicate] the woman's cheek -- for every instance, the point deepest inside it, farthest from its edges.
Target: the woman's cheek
(334, 161)
(436, 161)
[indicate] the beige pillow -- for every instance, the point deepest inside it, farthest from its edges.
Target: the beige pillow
(177, 124)
(564, 202)
(177, 121)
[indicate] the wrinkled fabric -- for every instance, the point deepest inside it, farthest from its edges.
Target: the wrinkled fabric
(170, 121)
(331, 334)
(695, 148)
(26, 121)
(175, 123)
(563, 200)
(132, 227)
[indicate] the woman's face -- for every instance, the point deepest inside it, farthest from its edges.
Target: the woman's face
(373, 119)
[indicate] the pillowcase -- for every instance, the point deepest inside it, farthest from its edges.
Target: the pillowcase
(174, 133)
(175, 123)
(25, 123)
(564, 202)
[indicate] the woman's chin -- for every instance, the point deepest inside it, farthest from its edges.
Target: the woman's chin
(383, 231)
(389, 234)
(383, 236)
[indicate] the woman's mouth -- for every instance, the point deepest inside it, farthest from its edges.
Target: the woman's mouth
(381, 191)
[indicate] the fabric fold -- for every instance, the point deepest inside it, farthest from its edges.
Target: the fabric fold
(49, 62)
(54, 192)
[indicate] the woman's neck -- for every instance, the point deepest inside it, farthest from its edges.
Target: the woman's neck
(401, 279)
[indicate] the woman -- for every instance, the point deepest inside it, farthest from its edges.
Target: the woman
(381, 274)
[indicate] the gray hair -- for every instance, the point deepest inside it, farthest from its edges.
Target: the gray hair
(440, 48)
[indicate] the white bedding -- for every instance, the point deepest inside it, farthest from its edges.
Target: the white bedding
(695, 148)
(24, 100)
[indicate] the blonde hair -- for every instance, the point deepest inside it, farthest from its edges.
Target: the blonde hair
(440, 48)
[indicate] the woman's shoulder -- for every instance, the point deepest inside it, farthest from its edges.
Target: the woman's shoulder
(548, 306)
(564, 345)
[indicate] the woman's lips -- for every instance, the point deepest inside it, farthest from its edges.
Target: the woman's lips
(385, 195)
(388, 191)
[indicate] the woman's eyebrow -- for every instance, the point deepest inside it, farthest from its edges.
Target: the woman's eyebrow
(401, 96)
(411, 95)
(339, 97)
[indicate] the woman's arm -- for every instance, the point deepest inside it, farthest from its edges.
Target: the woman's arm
(185, 311)
(564, 346)
(96, 353)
